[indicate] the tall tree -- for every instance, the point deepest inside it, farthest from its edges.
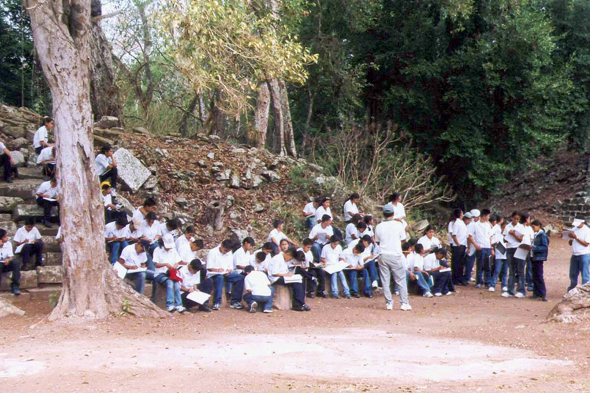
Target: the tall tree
(61, 32)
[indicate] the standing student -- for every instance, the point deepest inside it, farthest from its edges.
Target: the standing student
(9, 264)
(28, 241)
(580, 260)
(309, 212)
(530, 234)
(429, 241)
(540, 250)
(166, 258)
(258, 290)
(7, 163)
(243, 255)
(351, 229)
(483, 234)
(500, 261)
(106, 166)
(350, 208)
(47, 197)
(354, 258)
(471, 246)
(399, 211)
(276, 235)
(415, 265)
(191, 282)
(47, 159)
(331, 256)
(389, 235)
(459, 235)
(149, 205)
(115, 234)
(513, 235)
(220, 266)
(132, 258)
(41, 138)
(278, 269)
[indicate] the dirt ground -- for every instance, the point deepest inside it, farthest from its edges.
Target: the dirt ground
(474, 340)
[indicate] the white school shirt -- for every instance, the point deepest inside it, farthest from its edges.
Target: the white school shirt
(429, 243)
(320, 212)
(162, 256)
(46, 155)
(45, 188)
(131, 257)
(107, 200)
(136, 234)
(217, 260)
(331, 255)
(390, 234)
(241, 258)
(151, 231)
(431, 262)
(185, 252)
(399, 211)
(139, 215)
(482, 234)
(164, 231)
(22, 234)
(102, 163)
(277, 266)
(324, 233)
(511, 241)
(450, 232)
(181, 240)
(577, 248)
(258, 283)
(111, 230)
(366, 253)
(40, 136)
(350, 209)
(351, 259)
(529, 231)
(309, 209)
(498, 238)
(260, 266)
(460, 231)
(308, 257)
(277, 235)
(58, 236)
(369, 231)
(415, 260)
(189, 280)
(6, 251)
(351, 230)
(2, 147)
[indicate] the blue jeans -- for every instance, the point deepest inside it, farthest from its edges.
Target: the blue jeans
(516, 273)
(354, 284)
(469, 262)
(334, 281)
(114, 249)
(316, 250)
(266, 301)
(237, 281)
(371, 267)
(310, 222)
(579, 264)
(420, 280)
(483, 271)
(500, 271)
(172, 290)
(529, 273)
(139, 280)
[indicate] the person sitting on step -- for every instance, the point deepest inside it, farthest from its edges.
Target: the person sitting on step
(191, 282)
(8, 263)
(243, 255)
(116, 234)
(111, 208)
(106, 166)
(47, 197)
(415, 265)
(433, 266)
(258, 290)
(304, 269)
(220, 267)
(28, 242)
(331, 256)
(188, 251)
(354, 258)
(133, 231)
(132, 258)
(7, 162)
(187, 237)
(41, 138)
(47, 159)
(279, 269)
(171, 227)
(149, 205)
(276, 236)
(165, 259)
(256, 259)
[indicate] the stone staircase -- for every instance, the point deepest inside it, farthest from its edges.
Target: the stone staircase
(17, 203)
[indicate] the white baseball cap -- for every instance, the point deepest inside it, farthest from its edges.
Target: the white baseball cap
(475, 213)
(168, 241)
(577, 222)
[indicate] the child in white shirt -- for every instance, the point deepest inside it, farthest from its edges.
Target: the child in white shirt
(258, 290)
(331, 256)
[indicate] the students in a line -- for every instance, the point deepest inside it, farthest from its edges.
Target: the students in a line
(134, 231)
(276, 235)
(28, 242)
(459, 246)
(106, 166)
(389, 235)
(429, 241)
(7, 163)
(350, 208)
(351, 231)
(278, 269)
(432, 266)
(258, 290)
(187, 237)
(399, 211)
(500, 261)
(309, 212)
(580, 260)
(220, 266)
(133, 257)
(321, 234)
(514, 235)
(415, 267)
(9, 264)
(47, 159)
(166, 258)
(111, 210)
(47, 197)
(482, 235)
(331, 256)
(353, 257)
(41, 138)
(149, 205)
(540, 250)
(243, 255)
(115, 234)
(191, 282)
(471, 256)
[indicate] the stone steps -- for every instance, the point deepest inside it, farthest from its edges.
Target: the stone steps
(21, 188)
(32, 278)
(23, 211)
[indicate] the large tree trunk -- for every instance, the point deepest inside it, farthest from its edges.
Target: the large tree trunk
(61, 32)
(277, 107)
(287, 123)
(258, 138)
(146, 98)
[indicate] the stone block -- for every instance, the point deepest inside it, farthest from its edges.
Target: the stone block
(17, 143)
(52, 258)
(28, 279)
(22, 189)
(107, 122)
(50, 274)
(18, 158)
(9, 203)
(22, 212)
(14, 131)
(282, 298)
(132, 172)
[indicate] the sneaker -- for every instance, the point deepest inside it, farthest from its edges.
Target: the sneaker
(471, 279)
(519, 295)
(506, 294)
(306, 307)
(427, 294)
(204, 308)
(14, 290)
(355, 295)
(170, 308)
(438, 294)
(369, 295)
(375, 284)
(310, 295)
(268, 311)
(216, 306)
(253, 307)
(301, 308)
(335, 297)
(504, 289)
(236, 305)
(491, 289)
(478, 286)
(389, 306)
(449, 293)
(180, 309)
(406, 307)
(322, 295)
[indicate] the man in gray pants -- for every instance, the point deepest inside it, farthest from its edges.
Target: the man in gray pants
(390, 235)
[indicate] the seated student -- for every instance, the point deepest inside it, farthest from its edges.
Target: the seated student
(191, 282)
(243, 255)
(7, 162)
(323, 209)
(188, 251)
(111, 209)
(47, 159)
(149, 205)
(187, 237)
(353, 257)
(170, 227)
(415, 263)
(369, 259)
(262, 264)
(284, 246)
(151, 232)
(28, 241)
(133, 230)
(429, 241)
(106, 166)
(258, 290)
(278, 269)
(351, 231)
(304, 269)
(165, 258)
(450, 285)
(330, 256)
(220, 267)
(115, 234)
(8, 263)
(309, 212)
(132, 258)
(432, 266)
(41, 138)
(321, 234)
(47, 197)
(350, 209)
(368, 220)
(276, 235)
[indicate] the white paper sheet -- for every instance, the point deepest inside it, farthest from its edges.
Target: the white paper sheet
(566, 234)
(448, 269)
(198, 297)
(521, 253)
(296, 278)
(337, 267)
(120, 270)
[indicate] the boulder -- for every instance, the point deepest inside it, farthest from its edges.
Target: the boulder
(574, 307)
(282, 298)
(32, 159)
(127, 206)
(9, 203)
(271, 176)
(151, 183)
(420, 226)
(258, 208)
(14, 131)
(8, 309)
(141, 130)
(28, 279)
(256, 180)
(18, 158)
(238, 235)
(50, 274)
(235, 181)
(181, 201)
(132, 172)
(107, 122)
(17, 143)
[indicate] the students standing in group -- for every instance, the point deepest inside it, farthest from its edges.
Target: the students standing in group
(41, 138)
(350, 208)
(220, 266)
(482, 234)
(459, 236)
(47, 197)
(106, 166)
(540, 251)
(9, 264)
(580, 260)
(530, 235)
(7, 163)
(514, 235)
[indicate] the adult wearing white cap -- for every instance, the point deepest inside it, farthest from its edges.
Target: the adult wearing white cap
(390, 235)
(471, 245)
(580, 260)
(166, 260)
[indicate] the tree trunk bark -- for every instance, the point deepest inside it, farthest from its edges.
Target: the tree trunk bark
(258, 137)
(277, 106)
(287, 122)
(61, 32)
(183, 128)
(146, 98)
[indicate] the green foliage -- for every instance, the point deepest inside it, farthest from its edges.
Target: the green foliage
(125, 307)
(53, 299)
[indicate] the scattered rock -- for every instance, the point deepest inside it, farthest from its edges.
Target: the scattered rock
(50, 274)
(420, 226)
(258, 208)
(8, 309)
(271, 176)
(256, 180)
(18, 158)
(202, 164)
(320, 180)
(151, 183)
(238, 151)
(214, 138)
(162, 152)
(107, 122)
(132, 172)
(181, 201)
(141, 130)
(233, 215)
(235, 181)
(237, 235)
(223, 176)
(17, 143)
(211, 156)
(574, 307)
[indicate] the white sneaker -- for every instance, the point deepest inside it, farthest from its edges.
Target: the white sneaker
(406, 307)
(389, 306)
(180, 309)
(427, 294)
(478, 286)
(519, 295)
(506, 294)
(504, 289)
(449, 293)
(438, 294)
(396, 293)
(491, 289)
(253, 307)
(267, 311)
(472, 279)
(375, 284)
(170, 308)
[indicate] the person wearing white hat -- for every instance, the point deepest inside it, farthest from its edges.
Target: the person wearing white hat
(471, 245)
(580, 260)
(166, 260)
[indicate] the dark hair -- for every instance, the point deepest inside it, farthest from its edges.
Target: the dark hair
(283, 240)
(267, 246)
(406, 246)
(189, 229)
(318, 200)
(308, 242)
(151, 216)
(149, 202)
(199, 243)
(161, 243)
(356, 218)
(172, 223)
(334, 239)
(354, 195)
(260, 256)
(523, 217)
(367, 219)
(499, 217)
(228, 244)
(292, 251)
(106, 186)
(361, 225)
(412, 242)
(393, 197)
(2, 233)
(249, 269)
(105, 148)
(53, 150)
(367, 238)
(46, 119)
(536, 223)
(493, 218)
(360, 247)
(299, 255)
(441, 251)
(387, 215)
(30, 221)
(429, 227)
(121, 221)
(418, 248)
(196, 264)
(326, 218)
(485, 212)
(248, 240)
(457, 213)
(515, 213)
(324, 199)
(277, 222)
(53, 179)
